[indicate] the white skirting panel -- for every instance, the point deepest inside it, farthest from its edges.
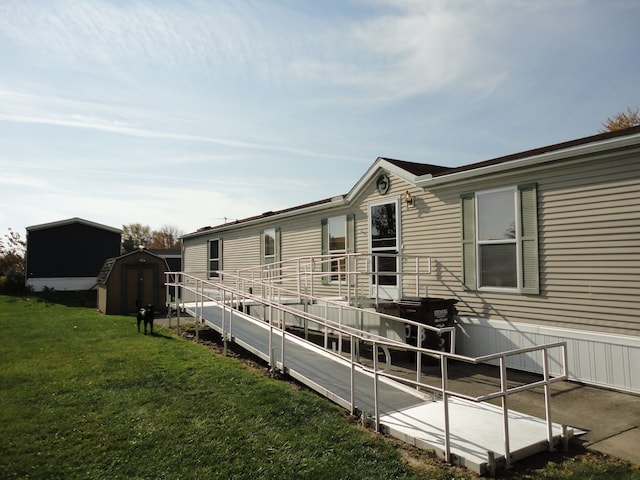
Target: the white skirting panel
(62, 283)
(606, 360)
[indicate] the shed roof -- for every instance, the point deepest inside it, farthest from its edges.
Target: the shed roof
(110, 263)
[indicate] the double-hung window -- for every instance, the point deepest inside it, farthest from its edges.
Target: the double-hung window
(500, 239)
(337, 240)
(215, 258)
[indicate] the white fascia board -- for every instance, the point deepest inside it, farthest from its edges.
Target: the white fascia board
(577, 153)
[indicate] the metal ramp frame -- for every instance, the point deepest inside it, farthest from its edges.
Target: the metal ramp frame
(465, 430)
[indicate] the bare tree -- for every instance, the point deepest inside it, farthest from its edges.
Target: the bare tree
(168, 237)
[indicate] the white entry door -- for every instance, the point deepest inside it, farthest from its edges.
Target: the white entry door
(384, 238)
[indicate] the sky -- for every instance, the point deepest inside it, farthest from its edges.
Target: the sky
(193, 113)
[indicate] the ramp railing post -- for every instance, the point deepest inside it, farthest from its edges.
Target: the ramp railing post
(231, 300)
(199, 318)
(376, 408)
(326, 326)
(352, 380)
(222, 313)
(445, 405)
(419, 333)
(547, 397)
(178, 309)
(282, 335)
(340, 314)
(269, 313)
(505, 410)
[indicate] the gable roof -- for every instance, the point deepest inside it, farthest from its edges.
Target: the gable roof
(424, 175)
(71, 221)
(110, 263)
(415, 168)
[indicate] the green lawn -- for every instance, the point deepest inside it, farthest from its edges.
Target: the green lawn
(84, 395)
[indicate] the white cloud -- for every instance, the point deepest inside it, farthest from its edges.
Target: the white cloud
(414, 48)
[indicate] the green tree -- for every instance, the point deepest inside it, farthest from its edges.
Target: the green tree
(135, 235)
(619, 121)
(12, 262)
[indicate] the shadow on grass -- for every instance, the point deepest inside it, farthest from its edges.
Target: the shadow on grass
(82, 298)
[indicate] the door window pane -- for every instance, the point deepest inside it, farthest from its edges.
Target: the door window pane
(385, 262)
(383, 225)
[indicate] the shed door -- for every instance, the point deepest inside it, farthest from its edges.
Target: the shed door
(140, 287)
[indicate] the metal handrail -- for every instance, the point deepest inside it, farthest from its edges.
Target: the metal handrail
(229, 296)
(305, 269)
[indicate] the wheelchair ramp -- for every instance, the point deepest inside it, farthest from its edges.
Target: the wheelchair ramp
(475, 428)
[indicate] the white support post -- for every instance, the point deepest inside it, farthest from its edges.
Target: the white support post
(505, 410)
(445, 406)
(178, 310)
(376, 407)
(340, 313)
(547, 398)
(352, 381)
(419, 331)
(326, 327)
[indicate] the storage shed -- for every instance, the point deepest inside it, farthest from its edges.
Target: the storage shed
(130, 280)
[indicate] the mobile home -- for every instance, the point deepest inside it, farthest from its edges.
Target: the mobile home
(536, 247)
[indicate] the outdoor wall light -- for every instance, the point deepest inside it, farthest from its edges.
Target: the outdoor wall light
(408, 199)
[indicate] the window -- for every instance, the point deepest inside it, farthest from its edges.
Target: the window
(270, 251)
(337, 240)
(500, 239)
(269, 246)
(337, 231)
(215, 258)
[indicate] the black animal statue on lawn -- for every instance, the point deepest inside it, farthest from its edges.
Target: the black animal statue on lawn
(145, 314)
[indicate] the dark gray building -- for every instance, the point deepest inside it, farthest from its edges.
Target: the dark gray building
(68, 254)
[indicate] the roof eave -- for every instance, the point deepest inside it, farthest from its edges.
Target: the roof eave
(70, 221)
(575, 153)
(336, 201)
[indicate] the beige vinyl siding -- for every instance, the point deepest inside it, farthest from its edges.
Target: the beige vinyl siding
(196, 252)
(589, 245)
(240, 249)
